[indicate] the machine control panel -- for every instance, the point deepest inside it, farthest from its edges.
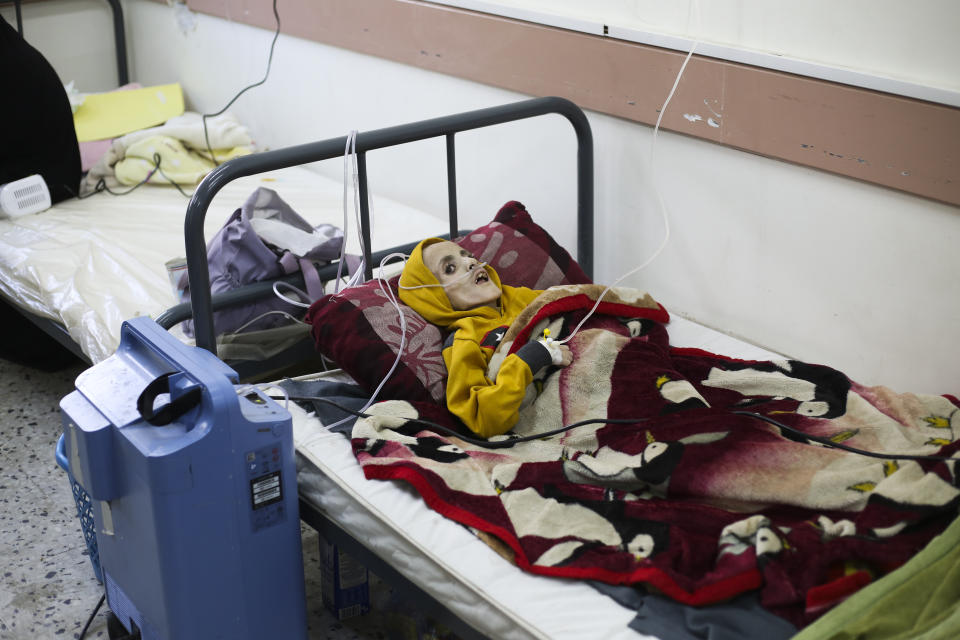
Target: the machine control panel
(264, 465)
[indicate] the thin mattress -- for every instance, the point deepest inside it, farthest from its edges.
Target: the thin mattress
(444, 558)
(90, 264)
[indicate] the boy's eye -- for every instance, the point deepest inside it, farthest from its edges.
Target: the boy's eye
(449, 268)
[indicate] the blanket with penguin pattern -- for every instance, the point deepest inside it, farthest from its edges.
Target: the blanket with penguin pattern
(714, 477)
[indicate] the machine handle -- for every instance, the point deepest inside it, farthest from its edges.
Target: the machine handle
(173, 409)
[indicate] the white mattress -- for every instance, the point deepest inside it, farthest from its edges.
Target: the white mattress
(91, 264)
(444, 558)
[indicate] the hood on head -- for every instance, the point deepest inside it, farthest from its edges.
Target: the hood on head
(432, 302)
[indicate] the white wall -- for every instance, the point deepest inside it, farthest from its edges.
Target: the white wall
(816, 266)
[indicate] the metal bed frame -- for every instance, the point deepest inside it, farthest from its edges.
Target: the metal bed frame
(202, 304)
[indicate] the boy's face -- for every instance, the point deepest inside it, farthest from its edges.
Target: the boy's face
(450, 263)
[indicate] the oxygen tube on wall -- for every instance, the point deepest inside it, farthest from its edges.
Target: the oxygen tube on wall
(663, 208)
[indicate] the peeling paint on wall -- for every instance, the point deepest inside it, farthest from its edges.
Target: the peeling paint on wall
(707, 103)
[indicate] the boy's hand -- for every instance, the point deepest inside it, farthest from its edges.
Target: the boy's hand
(560, 354)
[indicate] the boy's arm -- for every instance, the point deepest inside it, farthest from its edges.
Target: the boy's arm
(489, 408)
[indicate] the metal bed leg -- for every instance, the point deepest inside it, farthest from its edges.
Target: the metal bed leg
(427, 603)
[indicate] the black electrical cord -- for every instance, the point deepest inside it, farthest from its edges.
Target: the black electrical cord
(101, 185)
(838, 445)
(499, 444)
(276, 34)
(90, 619)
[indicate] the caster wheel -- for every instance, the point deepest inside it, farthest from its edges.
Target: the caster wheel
(116, 630)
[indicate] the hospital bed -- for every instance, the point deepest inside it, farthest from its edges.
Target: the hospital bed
(451, 571)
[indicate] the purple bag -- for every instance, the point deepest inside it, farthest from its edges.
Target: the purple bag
(263, 240)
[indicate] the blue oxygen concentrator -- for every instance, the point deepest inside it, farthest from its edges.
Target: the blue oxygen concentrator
(194, 492)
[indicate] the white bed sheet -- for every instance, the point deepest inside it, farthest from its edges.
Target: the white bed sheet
(91, 264)
(449, 562)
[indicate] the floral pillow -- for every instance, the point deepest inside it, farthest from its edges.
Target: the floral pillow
(359, 329)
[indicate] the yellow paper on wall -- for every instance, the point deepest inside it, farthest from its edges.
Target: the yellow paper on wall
(109, 115)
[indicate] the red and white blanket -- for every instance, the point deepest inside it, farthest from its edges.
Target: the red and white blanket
(690, 490)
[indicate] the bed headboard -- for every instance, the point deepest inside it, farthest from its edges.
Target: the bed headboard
(201, 303)
(119, 39)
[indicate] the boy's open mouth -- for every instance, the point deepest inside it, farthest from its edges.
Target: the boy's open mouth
(481, 277)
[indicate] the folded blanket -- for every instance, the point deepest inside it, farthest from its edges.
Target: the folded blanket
(692, 489)
(182, 146)
(225, 131)
(177, 163)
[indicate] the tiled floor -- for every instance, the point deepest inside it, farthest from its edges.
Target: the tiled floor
(47, 585)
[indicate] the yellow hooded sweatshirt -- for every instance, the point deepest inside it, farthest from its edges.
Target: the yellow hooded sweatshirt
(487, 407)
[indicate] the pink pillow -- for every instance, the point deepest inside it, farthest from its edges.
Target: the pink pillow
(359, 329)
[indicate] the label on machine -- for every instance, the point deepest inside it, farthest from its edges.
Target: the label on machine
(266, 486)
(265, 490)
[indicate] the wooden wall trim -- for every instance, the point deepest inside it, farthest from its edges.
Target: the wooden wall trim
(898, 142)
